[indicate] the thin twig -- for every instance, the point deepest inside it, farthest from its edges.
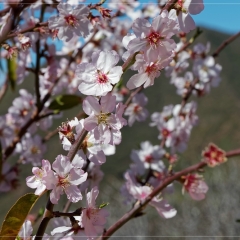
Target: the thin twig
(224, 44)
(139, 89)
(28, 29)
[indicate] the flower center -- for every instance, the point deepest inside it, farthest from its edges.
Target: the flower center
(34, 150)
(103, 118)
(92, 214)
(154, 38)
(137, 109)
(71, 20)
(148, 159)
(102, 77)
(151, 69)
(165, 133)
(63, 181)
(179, 6)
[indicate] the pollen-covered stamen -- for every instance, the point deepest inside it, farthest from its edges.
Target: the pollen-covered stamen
(63, 181)
(35, 150)
(66, 130)
(154, 38)
(103, 118)
(137, 109)
(179, 6)
(39, 174)
(71, 20)
(101, 77)
(92, 213)
(151, 69)
(148, 159)
(192, 181)
(165, 133)
(24, 112)
(86, 144)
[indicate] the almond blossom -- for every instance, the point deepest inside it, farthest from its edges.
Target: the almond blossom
(213, 155)
(147, 71)
(195, 186)
(97, 78)
(140, 193)
(67, 178)
(154, 39)
(38, 179)
(182, 10)
(136, 110)
(93, 217)
(70, 21)
(90, 148)
(148, 157)
(105, 125)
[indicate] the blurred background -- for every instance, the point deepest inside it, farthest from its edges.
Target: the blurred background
(219, 122)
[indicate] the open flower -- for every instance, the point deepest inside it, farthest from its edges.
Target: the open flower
(105, 125)
(93, 218)
(182, 10)
(195, 186)
(67, 179)
(70, 21)
(213, 155)
(97, 78)
(154, 39)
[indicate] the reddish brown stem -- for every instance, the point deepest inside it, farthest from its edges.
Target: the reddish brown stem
(224, 44)
(29, 29)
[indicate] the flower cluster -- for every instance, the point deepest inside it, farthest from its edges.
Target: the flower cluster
(175, 124)
(146, 172)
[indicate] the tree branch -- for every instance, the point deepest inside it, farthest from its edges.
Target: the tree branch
(224, 44)
(139, 205)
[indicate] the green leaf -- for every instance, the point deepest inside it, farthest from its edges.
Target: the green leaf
(103, 205)
(12, 73)
(17, 215)
(64, 102)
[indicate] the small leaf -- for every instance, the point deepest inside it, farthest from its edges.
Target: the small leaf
(64, 102)
(103, 205)
(12, 74)
(17, 215)
(238, 220)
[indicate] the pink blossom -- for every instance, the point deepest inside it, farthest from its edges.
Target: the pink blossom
(195, 186)
(70, 21)
(142, 192)
(97, 78)
(93, 218)
(147, 71)
(101, 120)
(182, 10)
(154, 39)
(38, 179)
(67, 179)
(136, 110)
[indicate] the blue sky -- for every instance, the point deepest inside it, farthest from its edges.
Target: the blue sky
(221, 15)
